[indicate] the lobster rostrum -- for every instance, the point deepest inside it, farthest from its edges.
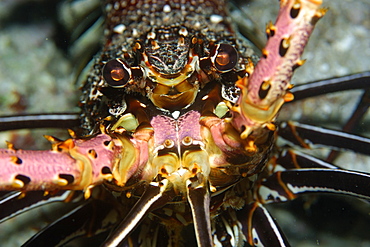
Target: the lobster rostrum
(178, 123)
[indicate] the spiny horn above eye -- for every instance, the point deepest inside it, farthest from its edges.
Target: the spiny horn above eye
(225, 57)
(116, 73)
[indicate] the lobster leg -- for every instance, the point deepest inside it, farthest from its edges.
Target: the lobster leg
(31, 121)
(15, 203)
(287, 185)
(82, 221)
(291, 159)
(349, 82)
(259, 227)
(355, 120)
(301, 134)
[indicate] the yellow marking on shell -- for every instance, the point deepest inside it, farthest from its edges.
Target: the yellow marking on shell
(85, 168)
(92, 153)
(125, 161)
(60, 182)
(182, 76)
(54, 142)
(84, 164)
(266, 85)
(248, 69)
(49, 138)
(286, 42)
(88, 191)
(250, 147)
(288, 97)
(321, 12)
(72, 133)
(17, 184)
(10, 146)
(102, 129)
(301, 62)
(265, 53)
(212, 188)
(21, 195)
(15, 160)
(271, 126)
(317, 2)
(261, 114)
(108, 177)
(270, 29)
(63, 146)
(109, 118)
(120, 130)
(246, 132)
(128, 194)
(297, 4)
(241, 84)
(137, 46)
(298, 64)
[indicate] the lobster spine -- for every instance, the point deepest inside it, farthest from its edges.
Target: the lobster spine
(72, 164)
(265, 91)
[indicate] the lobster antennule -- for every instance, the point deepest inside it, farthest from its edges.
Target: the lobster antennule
(73, 164)
(265, 91)
(260, 228)
(312, 180)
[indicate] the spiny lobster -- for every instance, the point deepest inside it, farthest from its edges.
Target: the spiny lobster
(209, 163)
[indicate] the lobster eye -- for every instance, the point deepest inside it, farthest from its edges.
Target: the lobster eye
(225, 57)
(116, 73)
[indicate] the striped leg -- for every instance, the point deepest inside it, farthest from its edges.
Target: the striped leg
(260, 228)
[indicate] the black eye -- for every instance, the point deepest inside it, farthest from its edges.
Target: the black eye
(116, 73)
(225, 57)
